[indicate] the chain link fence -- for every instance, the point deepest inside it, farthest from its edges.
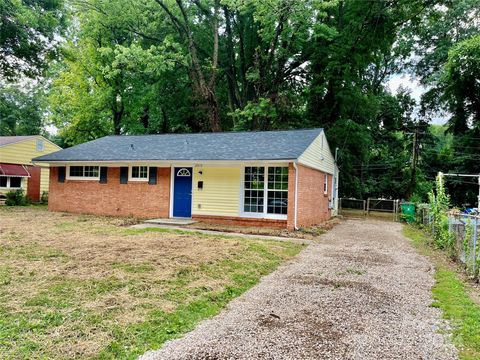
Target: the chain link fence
(465, 229)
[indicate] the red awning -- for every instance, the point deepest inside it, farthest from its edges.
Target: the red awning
(13, 170)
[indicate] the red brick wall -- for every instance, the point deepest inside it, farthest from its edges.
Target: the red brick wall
(137, 199)
(33, 183)
(241, 221)
(312, 203)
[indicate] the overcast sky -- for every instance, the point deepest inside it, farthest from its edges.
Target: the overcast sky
(406, 81)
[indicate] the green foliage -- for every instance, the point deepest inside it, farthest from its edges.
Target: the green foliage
(461, 84)
(254, 115)
(44, 197)
(20, 112)
(158, 66)
(27, 31)
(439, 205)
(16, 198)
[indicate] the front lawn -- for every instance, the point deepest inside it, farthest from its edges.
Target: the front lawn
(75, 286)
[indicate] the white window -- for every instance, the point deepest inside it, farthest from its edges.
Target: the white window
(266, 190)
(40, 145)
(254, 193)
(325, 184)
(138, 173)
(83, 172)
(10, 182)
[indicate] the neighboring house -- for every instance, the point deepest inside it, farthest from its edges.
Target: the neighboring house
(271, 178)
(16, 168)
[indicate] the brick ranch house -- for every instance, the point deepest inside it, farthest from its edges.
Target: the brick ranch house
(270, 178)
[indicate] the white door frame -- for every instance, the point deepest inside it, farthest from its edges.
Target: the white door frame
(172, 186)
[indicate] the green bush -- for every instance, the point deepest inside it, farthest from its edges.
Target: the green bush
(16, 198)
(44, 197)
(439, 204)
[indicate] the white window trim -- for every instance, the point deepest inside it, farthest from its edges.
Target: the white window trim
(130, 178)
(86, 178)
(264, 214)
(40, 145)
(325, 184)
(8, 183)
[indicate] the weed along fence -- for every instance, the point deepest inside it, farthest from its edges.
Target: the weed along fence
(371, 206)
(464, 232)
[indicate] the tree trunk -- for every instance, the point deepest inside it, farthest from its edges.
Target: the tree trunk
(117, 118)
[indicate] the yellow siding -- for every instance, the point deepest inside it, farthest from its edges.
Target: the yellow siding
(44, 179)
(24, 151)
(221, 191)
(318, 155)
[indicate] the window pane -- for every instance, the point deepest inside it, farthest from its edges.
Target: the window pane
(254, 184)
(135, 171)
(3, 181)
(139, 172)
(15, 182)
(40, 145)
(76, 170)
(91, 171)
(277, 202)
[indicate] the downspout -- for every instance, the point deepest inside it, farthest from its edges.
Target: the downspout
(295, 196)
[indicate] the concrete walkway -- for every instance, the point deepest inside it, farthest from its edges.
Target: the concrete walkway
(362, 292)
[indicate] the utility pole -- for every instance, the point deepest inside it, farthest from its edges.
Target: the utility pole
(414, 158)
(413, 177)
(441, 175)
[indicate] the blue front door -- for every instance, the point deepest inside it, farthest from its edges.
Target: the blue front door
(182, 192)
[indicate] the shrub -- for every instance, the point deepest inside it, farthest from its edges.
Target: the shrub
(16, 198)
(44, 197)
(439, 203)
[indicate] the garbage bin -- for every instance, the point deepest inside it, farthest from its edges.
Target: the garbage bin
(408, 212)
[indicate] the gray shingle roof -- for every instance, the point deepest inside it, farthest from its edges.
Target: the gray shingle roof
(7, 140)
(261, 145)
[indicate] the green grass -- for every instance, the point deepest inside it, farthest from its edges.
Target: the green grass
(81, 287)
(450, 295)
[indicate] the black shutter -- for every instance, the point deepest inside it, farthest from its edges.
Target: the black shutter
(124, 175)
(103, 175)
(61, 174)
(152, 175)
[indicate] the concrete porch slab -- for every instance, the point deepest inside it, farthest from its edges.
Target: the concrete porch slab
(174, 221)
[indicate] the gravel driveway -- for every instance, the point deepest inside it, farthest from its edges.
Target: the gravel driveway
(361, 292)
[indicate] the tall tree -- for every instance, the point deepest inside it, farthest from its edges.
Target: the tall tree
(20, 112)
(27, 36)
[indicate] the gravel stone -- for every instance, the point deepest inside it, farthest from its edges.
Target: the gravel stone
(360, 292)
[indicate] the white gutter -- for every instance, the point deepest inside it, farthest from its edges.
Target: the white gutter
(166, 163)
(296, 196)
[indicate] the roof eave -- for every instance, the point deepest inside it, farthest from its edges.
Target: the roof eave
(160, 162)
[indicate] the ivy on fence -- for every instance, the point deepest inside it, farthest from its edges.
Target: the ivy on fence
(455, 233)
(439, 203)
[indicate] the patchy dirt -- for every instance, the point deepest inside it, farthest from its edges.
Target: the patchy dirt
(308, 233)
(85, 278)
(360, 292)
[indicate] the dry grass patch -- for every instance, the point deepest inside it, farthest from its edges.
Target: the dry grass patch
(76, 286)
(308, 233)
